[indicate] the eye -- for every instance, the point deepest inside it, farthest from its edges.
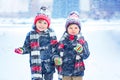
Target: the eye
(70, 27)
(76, 27)
(40, 22)
(45, 22)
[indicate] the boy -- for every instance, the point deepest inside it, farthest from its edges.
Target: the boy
(73, 49)
(40, 44)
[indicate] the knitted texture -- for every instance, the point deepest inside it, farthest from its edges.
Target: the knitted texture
(43, 15)
(73, 18)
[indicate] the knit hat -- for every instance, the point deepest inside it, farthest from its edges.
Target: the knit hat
(44, 15)
(73, 18)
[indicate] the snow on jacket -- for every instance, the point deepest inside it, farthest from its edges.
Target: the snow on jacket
(69, 55)
(41, 47)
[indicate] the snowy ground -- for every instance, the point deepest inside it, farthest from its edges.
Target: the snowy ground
(104, 44)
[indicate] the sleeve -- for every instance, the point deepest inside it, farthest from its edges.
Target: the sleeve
(54, 44)
(26, 46)
(85, 54)
(60, 46)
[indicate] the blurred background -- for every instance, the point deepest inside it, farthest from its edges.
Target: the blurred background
(94, 9)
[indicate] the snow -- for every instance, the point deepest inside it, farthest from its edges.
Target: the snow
(102, 36)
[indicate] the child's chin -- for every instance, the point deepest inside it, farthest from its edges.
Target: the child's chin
(73, 34)
(42, 29)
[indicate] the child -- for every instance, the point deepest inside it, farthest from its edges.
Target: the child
(40, 44)
(73, 49)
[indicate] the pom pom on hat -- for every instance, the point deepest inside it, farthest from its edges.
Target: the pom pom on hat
(44, 15)
(73, 18)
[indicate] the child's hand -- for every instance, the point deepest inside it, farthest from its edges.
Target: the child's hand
(19, 50)
(81, 41)
(78, 48)
(58, 61)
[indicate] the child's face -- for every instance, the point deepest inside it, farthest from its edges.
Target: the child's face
(73, 29)
(41, 25)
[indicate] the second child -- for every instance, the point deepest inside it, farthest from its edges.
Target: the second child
(73, 50)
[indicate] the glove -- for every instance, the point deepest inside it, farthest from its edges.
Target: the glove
(53, 42)
(78, 48)
(19, 50)
(82, 41)
(58, 61)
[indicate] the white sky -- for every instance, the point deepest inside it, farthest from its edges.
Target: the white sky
(13, 5)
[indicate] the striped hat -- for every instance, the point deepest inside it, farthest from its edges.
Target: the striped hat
(43, 15)
(73, 18)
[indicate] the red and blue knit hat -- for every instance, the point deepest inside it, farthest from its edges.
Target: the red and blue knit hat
(73, 18)
(43, 15)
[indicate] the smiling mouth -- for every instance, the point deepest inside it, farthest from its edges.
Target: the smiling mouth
(73, 32)
(41, 27)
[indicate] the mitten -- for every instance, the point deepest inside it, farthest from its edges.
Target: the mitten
(53, 42)
(19, 50)
(58, 61)
(81, 41)
(78, 48)
(61, 46)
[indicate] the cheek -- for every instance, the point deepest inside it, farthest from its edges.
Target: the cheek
(69, 31)
(46, 25)
(77, 31)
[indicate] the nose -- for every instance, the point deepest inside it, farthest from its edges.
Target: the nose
(73, 29)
